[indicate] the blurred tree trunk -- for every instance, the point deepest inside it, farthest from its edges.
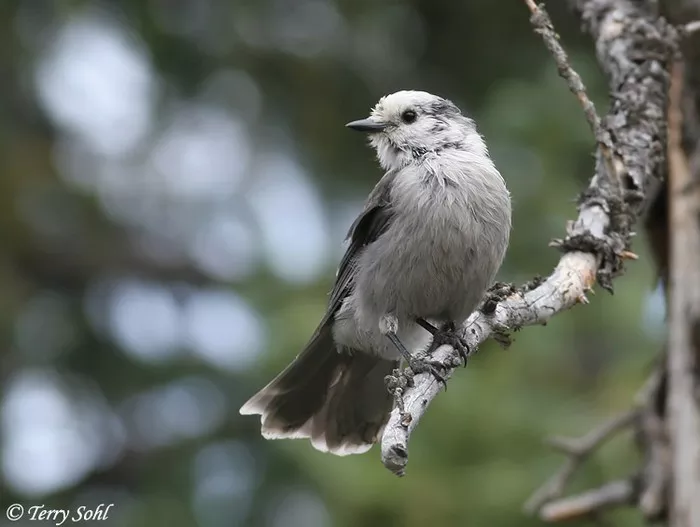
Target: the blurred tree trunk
(683, 285)
(684, 321)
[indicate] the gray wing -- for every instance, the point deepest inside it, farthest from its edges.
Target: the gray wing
(368, 226)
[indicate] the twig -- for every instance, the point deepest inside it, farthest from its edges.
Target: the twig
(691, 27)
(649, 488)
(583, 446)
(635, 48)
(577, 450)
(611, 494)
(543, 25)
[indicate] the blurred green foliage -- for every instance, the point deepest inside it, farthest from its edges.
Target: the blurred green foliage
(77, 220)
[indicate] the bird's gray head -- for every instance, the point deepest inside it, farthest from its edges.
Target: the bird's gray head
(407, 125)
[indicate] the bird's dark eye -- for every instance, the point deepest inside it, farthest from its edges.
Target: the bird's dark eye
(408, 116)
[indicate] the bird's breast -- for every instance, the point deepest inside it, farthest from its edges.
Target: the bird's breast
(424, 263)
(434, 210)
(443, 246)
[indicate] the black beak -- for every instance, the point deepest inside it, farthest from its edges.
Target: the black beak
(366, 125)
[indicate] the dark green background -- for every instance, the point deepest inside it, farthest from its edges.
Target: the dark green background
(152, 276)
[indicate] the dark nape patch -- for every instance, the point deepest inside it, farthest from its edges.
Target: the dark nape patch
(418, 151)
(439, 126)
(457, 145)
(443, 107)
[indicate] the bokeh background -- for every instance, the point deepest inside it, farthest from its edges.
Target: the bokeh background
(175, 185)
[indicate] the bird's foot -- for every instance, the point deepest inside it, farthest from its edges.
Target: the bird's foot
(447, 334)
(398, 381)
(396, 384)
(417, 364)
(425, 365)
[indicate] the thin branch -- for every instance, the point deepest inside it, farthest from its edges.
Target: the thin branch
(589, 503)
(543, 25)
(691, 27)
(648, 488)
(578, 450)
(582, 446)
(635, 48)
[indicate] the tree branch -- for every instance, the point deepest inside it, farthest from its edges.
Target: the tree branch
(634, 48)
(578, 450)
(593, 501)
(543, 25)
(648, 487)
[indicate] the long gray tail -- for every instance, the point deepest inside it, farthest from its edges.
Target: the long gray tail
(337, 399)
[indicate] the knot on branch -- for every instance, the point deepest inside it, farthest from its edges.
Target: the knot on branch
(496, 293)
(612, 249)
(532, 284)
(611, 253)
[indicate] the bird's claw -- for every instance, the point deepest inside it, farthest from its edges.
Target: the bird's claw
(448, 335)
(424, 365)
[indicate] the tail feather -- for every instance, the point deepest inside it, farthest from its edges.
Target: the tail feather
(335, 398)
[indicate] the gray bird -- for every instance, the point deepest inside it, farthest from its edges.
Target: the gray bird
(427, 245)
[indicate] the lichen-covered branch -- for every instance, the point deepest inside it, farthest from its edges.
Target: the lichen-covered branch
(634, 48)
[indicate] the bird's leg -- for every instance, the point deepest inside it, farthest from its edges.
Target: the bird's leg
(389, 326)
(417, 364)
(447, 334)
